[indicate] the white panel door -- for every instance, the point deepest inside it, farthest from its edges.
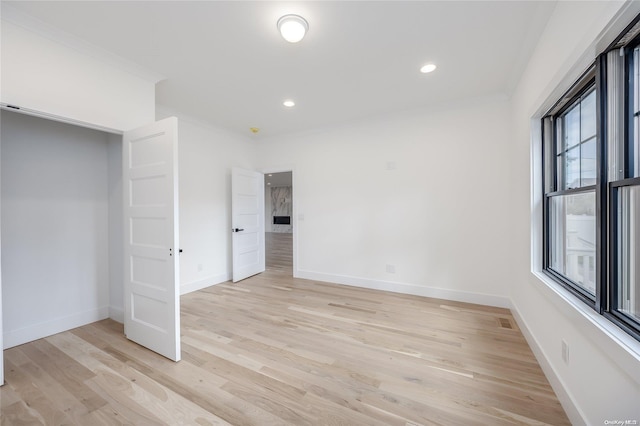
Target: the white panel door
(151, 286)
(247, 223)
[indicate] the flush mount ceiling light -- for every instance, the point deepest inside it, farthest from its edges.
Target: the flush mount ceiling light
(289, 103)
(293, 27)
(428, 68)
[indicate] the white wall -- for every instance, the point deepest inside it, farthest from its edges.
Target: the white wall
(116, 229)
(206, 155)
(54, 227)
(424, 192)
(47, 76)
(601, 381)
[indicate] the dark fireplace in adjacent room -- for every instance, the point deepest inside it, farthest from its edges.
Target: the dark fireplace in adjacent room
(282, 220)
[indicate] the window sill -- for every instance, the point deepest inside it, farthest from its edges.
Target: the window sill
(620, 347)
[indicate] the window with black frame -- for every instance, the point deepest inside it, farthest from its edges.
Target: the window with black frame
(570, 144)
(591, 182)
(624, 190)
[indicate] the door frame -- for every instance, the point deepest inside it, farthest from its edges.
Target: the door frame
(294, 209)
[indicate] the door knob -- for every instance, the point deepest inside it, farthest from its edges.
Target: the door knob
(237, 230)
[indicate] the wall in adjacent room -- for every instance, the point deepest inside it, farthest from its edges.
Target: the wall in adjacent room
(278, 203)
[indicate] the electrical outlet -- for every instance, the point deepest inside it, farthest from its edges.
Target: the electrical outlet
(565, 351)
(391, 269)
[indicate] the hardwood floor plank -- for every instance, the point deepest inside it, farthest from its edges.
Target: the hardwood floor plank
(199, 385)
(8, 397)
(127, 408)
(61, 398)
(288, 410)
(279, 251)
(19, 413)
(65, 370)
(105, 416)
(35, 404)
(164, 394)
(274, 350)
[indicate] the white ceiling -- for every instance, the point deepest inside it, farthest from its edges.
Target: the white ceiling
(278, 179)
(225, 62)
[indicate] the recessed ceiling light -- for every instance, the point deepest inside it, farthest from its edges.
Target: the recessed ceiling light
(293, 27)
(268, 183)
(428, 68)
(270, 175)
(289, 103)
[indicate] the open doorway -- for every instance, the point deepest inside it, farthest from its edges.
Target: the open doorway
(279, 222)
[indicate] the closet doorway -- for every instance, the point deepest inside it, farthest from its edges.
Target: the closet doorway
(59, 226)
(63, 227)
(279, 222)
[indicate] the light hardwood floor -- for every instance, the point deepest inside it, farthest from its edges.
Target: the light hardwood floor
(274, 350)
(279, 252)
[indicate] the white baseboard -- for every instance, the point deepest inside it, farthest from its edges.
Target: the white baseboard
(204, 283)
(58, 325)
(116, 314)
(567, 402)
(416, 290)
